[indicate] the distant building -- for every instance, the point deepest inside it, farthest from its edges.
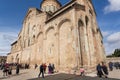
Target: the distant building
(67, 36)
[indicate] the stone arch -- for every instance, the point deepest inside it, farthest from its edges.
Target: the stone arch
(65, 44)
(39, 55)
(63, 21)
(39, 34)
(50, 46)
(47, 30)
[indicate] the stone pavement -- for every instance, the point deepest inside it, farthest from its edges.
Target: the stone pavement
(32, 74)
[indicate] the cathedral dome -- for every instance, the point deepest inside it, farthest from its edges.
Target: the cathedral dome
(50, 5)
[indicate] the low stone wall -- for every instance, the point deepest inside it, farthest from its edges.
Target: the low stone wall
(113, 59)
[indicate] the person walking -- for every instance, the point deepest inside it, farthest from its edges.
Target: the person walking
(53, 68)
(110, 66)
(17, 69)
(49, 68)
(99, 70)
(5, 70)
(41, 71)
(105, 70)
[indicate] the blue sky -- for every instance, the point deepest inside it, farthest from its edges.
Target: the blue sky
(12, 13)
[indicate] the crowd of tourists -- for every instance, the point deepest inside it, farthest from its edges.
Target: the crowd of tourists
(102, 68)
(7, 68)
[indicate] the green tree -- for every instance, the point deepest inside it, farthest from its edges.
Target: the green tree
(116, 53)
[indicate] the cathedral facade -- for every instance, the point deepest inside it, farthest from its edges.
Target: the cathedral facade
(67, 36)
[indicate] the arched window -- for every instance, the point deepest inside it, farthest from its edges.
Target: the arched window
(86, 20)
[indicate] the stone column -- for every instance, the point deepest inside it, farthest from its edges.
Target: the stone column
(44, 48)
(76, 37)
(57, 51)
(87, 51)
(91, 44)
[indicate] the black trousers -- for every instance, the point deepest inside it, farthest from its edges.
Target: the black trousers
(42, 74)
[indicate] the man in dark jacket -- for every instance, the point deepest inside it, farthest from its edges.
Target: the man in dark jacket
(99, 70)
(41, 71)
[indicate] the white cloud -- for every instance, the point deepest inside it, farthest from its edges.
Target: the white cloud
(113, 38)
(6, 38)
(112, 42)
(105, 33)
(114, 5)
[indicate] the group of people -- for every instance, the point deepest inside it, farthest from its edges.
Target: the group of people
(114, 65)
(26, 66)
(102, 70)
(43, 67)
(7, 69)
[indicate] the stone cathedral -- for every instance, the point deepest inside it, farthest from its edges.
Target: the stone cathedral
(67, 36)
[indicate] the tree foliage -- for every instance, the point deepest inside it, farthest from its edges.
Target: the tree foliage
(116, 53)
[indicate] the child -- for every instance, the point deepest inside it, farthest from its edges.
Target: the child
(82, 71)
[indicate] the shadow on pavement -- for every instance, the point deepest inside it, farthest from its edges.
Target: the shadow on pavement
(63, 76)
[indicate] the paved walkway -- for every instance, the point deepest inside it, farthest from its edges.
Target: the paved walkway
(32, 74)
